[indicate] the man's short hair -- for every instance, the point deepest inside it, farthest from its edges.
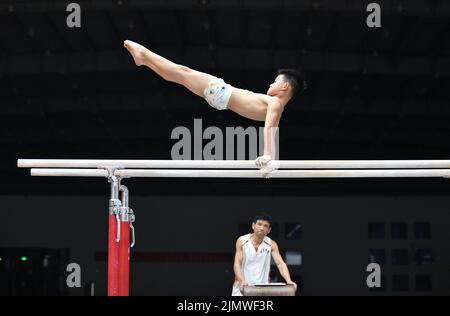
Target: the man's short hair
(295, 78)
(263, 217)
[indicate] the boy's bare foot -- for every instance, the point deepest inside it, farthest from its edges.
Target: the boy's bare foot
(136, 50)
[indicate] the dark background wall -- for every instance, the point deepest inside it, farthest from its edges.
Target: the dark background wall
(378, 93)
(185, 245)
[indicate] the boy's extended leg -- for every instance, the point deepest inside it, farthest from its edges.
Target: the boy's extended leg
(195, 81)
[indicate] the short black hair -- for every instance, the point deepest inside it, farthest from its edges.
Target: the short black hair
(263, 217)
(295, 78)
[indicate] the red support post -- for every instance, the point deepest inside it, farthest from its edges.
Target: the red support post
(124, 258)
(113, 258)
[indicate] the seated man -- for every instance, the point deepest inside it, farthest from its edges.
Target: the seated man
(256, 106)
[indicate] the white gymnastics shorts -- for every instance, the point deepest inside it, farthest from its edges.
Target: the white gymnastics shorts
(218, 93)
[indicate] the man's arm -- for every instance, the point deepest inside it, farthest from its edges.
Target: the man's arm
(273, 116)
(281, 265)
(237, 267)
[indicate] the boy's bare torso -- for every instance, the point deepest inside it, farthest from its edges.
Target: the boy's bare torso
(249, 104)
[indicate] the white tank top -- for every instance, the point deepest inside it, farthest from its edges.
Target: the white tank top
(256, 261)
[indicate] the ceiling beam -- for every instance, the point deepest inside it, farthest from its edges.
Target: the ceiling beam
(149, 101)
(424, 8)
(118, 60)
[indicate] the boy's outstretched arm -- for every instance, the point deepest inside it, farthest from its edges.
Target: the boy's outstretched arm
(273, 116)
